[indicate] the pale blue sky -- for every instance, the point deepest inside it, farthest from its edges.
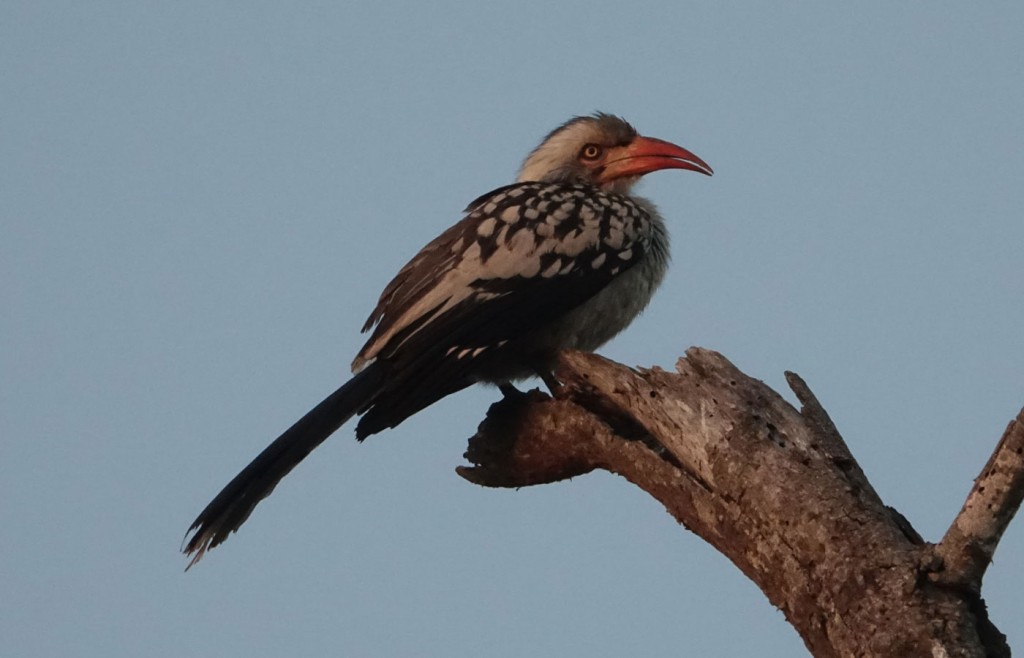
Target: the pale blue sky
(201, 202)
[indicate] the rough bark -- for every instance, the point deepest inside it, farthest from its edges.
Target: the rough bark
(773, 488)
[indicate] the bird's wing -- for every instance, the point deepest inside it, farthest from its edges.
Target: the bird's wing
(524, 255)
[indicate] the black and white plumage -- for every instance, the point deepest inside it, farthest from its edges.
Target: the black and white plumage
(563, 258)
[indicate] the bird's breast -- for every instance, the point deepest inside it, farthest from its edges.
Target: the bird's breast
(600, 318)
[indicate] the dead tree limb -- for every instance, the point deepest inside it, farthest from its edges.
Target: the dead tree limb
(971, 540)
(775, 489)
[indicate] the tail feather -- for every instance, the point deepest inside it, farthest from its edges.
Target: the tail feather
(236, 501)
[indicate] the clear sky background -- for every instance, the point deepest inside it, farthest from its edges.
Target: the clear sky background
(202, 201)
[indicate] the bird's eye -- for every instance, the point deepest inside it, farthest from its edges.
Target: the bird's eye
(591, 152)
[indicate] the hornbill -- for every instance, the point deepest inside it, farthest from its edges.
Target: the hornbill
(565, 257)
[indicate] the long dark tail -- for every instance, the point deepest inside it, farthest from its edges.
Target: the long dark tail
(233, 505)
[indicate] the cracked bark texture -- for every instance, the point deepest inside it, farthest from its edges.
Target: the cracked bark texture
(773, 488)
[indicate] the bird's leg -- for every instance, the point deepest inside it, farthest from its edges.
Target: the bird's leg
(556, 387)
(508, 390)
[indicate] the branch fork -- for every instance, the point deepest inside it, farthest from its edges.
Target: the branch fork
(775, 489)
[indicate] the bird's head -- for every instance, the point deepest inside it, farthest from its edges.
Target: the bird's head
(604, 151)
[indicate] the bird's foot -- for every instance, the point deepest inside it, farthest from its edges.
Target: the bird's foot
(556, 387)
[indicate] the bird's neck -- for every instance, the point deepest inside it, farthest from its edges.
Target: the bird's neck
(622, 186)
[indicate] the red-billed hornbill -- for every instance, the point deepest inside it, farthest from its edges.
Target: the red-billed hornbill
(565, 257)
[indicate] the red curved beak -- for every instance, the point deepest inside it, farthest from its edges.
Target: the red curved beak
(646, 154)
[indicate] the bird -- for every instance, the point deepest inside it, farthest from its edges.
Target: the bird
(563, 258)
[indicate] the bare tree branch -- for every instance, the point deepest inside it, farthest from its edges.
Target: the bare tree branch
(971, 540)
(774, 489)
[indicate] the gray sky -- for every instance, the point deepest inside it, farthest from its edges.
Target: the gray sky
(202, 201)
